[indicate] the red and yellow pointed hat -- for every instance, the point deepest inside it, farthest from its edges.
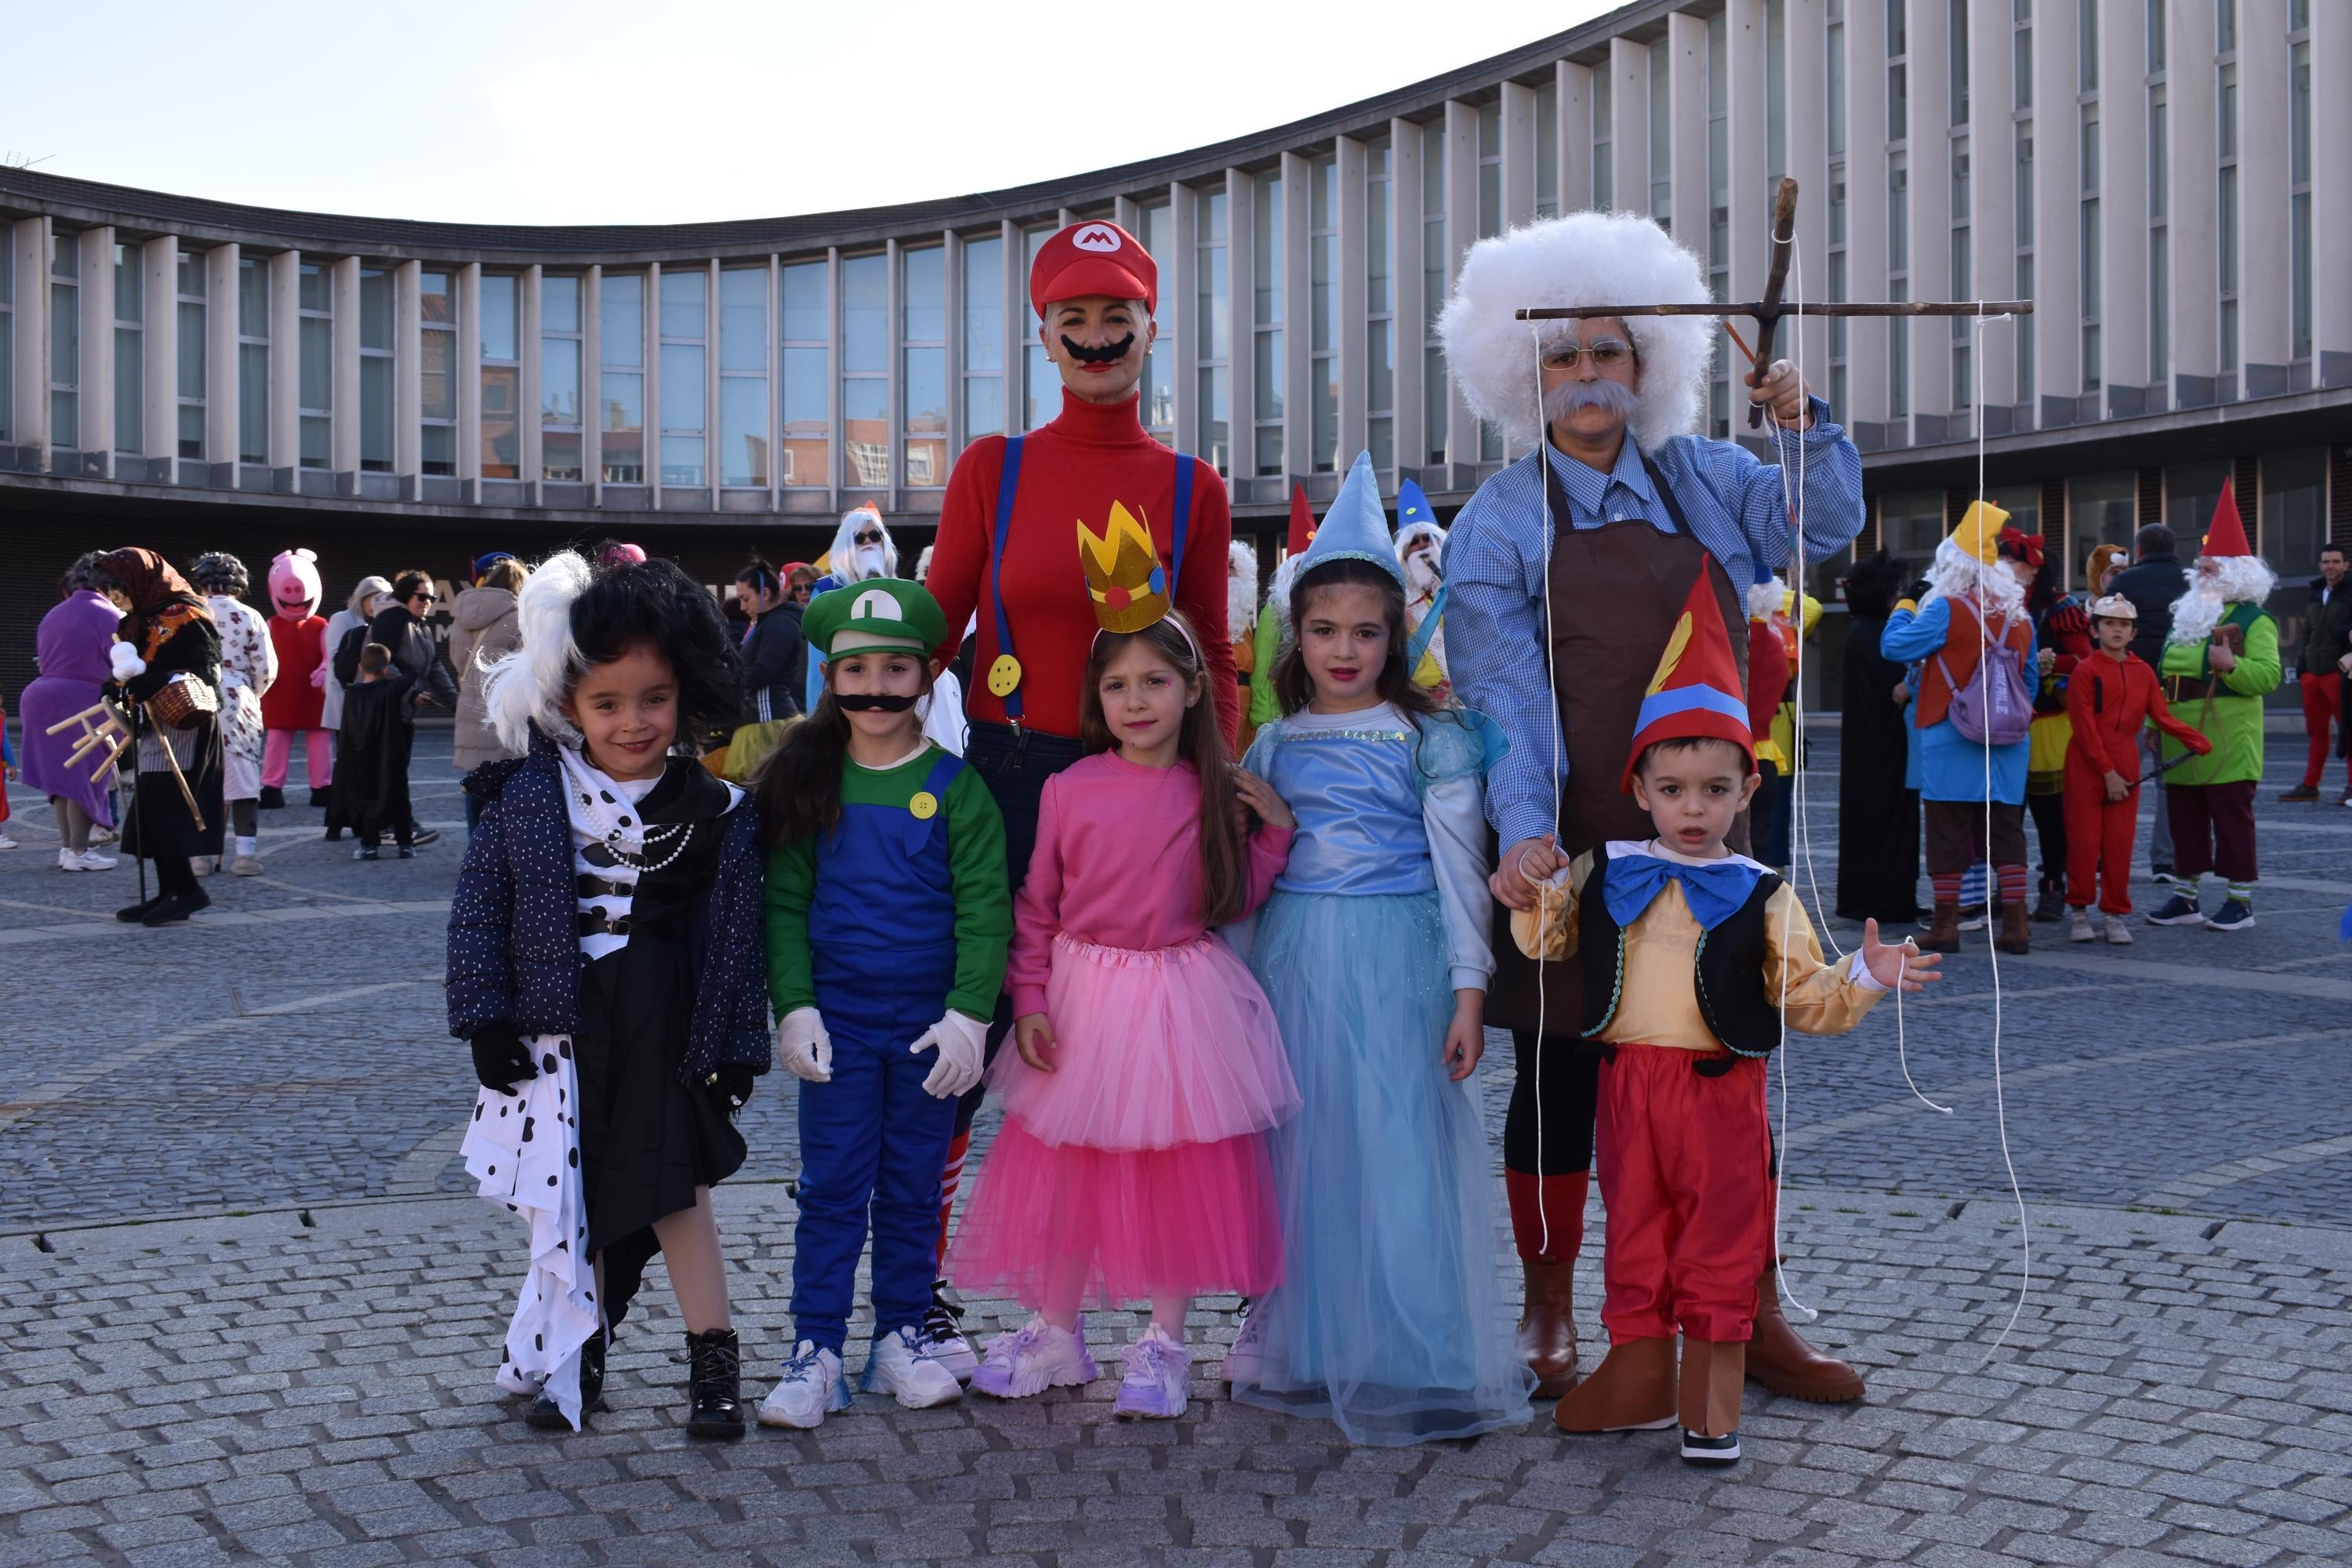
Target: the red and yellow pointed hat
(1696, 691)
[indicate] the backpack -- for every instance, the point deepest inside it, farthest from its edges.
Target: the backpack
(1995, 709)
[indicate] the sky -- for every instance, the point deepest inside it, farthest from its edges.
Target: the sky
(677, 111)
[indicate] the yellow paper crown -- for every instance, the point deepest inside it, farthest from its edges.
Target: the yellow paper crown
(1980, 531)
(1123, 573)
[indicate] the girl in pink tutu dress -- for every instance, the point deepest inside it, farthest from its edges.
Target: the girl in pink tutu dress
(1132, 1164)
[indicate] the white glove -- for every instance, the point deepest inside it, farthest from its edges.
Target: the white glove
(959, 1040)
(803, 1047)
(124, 661)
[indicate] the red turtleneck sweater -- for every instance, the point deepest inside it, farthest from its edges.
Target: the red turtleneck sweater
(1071, 471)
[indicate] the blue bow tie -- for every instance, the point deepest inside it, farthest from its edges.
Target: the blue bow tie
(1714, 891)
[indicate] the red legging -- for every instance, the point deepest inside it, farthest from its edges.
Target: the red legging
(2099, 834)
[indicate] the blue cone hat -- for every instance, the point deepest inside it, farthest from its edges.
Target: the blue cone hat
(1356, 528)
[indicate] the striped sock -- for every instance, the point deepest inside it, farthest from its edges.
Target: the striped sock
(2187, 887)
(2243, 892)
(2014, 883)
(950, 1180)
(1947, 887)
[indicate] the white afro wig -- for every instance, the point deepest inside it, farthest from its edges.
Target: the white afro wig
(1583, 258)
(531, 683)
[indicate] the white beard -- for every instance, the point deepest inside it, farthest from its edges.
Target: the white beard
(1421, 575)
(2218, 583)
(1764, 599)
(1241, 605)
(1955, 574)
(871, 563)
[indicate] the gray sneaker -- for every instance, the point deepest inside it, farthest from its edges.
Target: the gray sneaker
(2078, 927)
(2118, 934)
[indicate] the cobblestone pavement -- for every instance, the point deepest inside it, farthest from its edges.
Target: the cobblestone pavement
(289, 1360)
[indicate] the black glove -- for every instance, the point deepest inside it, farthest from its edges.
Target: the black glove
(730, 1086)
(500, 1058)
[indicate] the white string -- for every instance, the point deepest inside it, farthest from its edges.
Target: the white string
(1551, 692)
(1901, 1053)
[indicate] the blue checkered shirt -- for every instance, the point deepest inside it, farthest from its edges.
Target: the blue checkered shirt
(1496, 567)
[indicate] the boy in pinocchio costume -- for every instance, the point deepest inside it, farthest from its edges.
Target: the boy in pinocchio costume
(1695, 960)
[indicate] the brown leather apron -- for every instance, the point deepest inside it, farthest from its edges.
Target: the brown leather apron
(1616, 591)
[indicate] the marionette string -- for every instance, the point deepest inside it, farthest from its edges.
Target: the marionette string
(1551, 689)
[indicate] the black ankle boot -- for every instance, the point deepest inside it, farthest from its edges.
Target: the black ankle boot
(548, 1416)
(714, 1385)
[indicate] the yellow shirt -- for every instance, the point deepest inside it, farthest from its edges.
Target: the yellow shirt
(1658, 1004)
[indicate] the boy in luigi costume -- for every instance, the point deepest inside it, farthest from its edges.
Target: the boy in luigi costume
(888, 917)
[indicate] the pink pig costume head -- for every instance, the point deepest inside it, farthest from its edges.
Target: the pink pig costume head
(294, 584)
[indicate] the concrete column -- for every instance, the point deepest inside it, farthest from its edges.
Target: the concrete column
(1404, 209)
(468, 372)
(1183, 281)
(1021, 322)
(1299, 315)
(407, 372)
(1350, 259)
(1462, 444)
(96, 372)
(343, 356)
(1241, 322)
(1931, 202)
(220, 353)
(1628, 125)
(592, 382)
(159, 367)
(2057, 209)
(1572, 124)
(1519, 134)
(1992, 191)
(2331, 195)
(285, 360)
(1865, 209)
(29, 243)
(1808, 342)
(1751, 213)
(2123, 201)
(2191, 206)
(528, 448)
(1687, 134)
(2265, 294)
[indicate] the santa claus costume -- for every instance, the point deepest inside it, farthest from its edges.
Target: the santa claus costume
(295, 703)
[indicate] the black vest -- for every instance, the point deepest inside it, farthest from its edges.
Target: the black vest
(1729, 978)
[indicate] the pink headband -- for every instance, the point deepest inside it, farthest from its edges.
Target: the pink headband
(1177, 622)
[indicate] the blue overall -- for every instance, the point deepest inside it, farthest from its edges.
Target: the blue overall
(882, 943)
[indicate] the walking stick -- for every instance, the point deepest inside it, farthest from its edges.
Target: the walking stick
(195, 811)
(131, 818)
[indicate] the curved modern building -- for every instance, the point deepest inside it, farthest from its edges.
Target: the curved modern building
(195, 374)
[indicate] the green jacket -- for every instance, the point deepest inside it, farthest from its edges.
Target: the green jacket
(1264, 708)
(2233, 721)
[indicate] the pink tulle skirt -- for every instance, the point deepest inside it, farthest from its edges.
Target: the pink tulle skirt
(1070, 1226)
(1155, 1048)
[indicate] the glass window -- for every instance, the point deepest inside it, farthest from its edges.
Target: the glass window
(1380, 303)
(315, 393)
(501, 297)
(1603, 139)
(1547, 149)
(684, 290)
(2299, 230)
(1268, 375)
(1662, 166)
(2192, 491)
(983, 338)
(2101, 509)
(1435, 271)
(621, 382)
(558, 303)
(1159, 237)
(130, 351)
(621, 321)
(923, 332)
(2293, 524)
(561, 368)
(1214, 324)
(1490, 170)
(190, 378)
(252, 360)
(807, 401)
(1323, 308)
(436, 300)
(1911, 523)
(684, 362)
(743, 319)
(865, 370)
(375, 370)
(743, 436)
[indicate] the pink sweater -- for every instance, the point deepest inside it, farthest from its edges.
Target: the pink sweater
(1119, 864)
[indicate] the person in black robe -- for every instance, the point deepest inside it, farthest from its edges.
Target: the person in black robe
(372, 771)
(167, 634)
(1878, 818)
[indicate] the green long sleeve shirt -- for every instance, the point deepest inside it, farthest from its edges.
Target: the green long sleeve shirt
(1264, 707)
(2234, 720)
(984, 897)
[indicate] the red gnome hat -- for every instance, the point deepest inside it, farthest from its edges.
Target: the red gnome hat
(1696, 691)
(1302, 522)
(2227, 536)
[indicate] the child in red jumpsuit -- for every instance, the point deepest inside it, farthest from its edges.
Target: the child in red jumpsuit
(2108, 697)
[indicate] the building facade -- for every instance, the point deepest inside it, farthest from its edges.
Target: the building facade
(195, 374)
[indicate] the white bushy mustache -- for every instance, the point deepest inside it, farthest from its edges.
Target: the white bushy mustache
(1571, 396)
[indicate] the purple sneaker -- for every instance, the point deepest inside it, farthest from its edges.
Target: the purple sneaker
(1037, 1357)
(1159, 1381)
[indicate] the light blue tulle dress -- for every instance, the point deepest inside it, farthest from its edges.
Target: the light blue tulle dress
(1388, 1320)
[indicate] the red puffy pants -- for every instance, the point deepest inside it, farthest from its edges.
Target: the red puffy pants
(1685, 1175)
(2099, 834)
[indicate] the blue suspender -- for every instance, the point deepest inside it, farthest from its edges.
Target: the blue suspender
(1008, 485)
(1418, 647)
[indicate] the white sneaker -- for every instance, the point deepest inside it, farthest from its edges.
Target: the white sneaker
(2078, 927)
(7, 842)
(245, 866)
(2118, 934)
(902, 1367)
(1159, 1381)
(809, 1390)
(1037, 1357)
(1245, 1362)
(88, 860)
(101, 835)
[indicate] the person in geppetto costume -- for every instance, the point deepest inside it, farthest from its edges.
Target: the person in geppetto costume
(1003, 554)
(605, 963)
(1696, 960)
(167, 634)
(1591, 540)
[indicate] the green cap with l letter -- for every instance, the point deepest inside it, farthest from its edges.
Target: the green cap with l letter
(880, 613)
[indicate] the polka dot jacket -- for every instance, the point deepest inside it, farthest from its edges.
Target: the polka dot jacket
(514, 938)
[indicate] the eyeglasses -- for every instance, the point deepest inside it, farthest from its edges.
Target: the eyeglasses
(1607, 355)
(870, 536)
(422, 598)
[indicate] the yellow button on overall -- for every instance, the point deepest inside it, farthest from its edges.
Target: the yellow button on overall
(1005, 675)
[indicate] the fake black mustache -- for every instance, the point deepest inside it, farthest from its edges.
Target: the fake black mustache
(1110, 353)
(872, 702)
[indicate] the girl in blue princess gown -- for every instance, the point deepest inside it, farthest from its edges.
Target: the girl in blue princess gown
(1374, 952)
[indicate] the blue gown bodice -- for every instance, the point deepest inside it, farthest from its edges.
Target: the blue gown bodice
(1357, 799)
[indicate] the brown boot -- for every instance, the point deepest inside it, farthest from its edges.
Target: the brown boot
(2016, 936)
(1943, 931)
(1709, 1408)
(1548, 1327)
(1632, 1390)
(1780, 1359)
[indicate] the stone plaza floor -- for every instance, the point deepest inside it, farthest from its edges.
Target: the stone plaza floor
(249, 1311)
